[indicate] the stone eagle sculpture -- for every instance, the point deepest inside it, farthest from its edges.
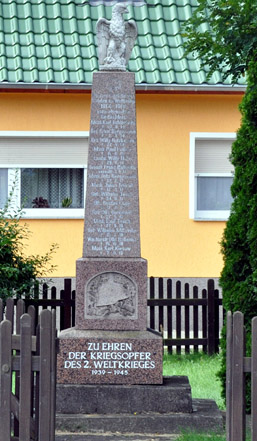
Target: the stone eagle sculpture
(115, 39)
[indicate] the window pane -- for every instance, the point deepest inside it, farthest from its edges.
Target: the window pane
(52, 187)
(3, 186)
(213, 193)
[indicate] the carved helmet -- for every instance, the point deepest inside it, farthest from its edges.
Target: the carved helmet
(110, 293)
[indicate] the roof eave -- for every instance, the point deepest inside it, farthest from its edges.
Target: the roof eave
(140, 87)
(192, 87)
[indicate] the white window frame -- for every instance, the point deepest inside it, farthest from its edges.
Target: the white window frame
(205, 215)
(44, 213)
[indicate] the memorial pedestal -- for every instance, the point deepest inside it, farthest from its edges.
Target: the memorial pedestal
(109, 357)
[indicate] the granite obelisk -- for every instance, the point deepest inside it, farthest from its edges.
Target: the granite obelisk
(110, 342)
(111, 276)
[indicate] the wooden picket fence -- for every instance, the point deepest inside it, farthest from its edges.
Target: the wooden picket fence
(27, 374)
(62, 302)
(237, 366)
(187, 319)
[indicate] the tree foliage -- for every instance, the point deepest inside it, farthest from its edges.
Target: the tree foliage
(223, 33)
(18, 272)
(239, 242)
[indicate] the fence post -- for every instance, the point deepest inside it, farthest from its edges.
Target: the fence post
(229, 342)
(195, 317)
(237, 403)
(73, 297)
(187, 323)
(254, 379)
(45, 293)
(216, 320)
(178, 315)
(211, 322)
(66, 309)
(160, 291)
(5, 380)
(152, 308)
(169, 314)
(32, 313)
(204, 320)
(9, 311)
(53, 376)
(20, 309)
(1, 310)
(25, 377)
(44, 423)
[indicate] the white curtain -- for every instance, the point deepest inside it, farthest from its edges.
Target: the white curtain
(53, 185)
(213, 193)
(3, 186)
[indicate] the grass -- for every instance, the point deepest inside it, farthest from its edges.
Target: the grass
(201, 369)
(191, 436)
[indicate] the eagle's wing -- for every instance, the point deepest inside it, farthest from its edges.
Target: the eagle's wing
(131, 35)
(103, 36)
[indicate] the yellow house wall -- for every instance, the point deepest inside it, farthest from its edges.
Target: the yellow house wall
(173, 244)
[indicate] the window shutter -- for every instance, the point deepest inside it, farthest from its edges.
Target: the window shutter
(43, 151)
(212, 156)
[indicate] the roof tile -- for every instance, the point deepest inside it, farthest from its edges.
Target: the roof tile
(48, 41)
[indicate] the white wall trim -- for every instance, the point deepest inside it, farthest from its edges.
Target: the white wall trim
(18, 166)
(53, 213)
(47, 134)
(210, 215)
(47, 213)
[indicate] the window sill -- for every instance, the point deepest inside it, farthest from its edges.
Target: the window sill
(204, 219)
(53, 213)
(211, 216)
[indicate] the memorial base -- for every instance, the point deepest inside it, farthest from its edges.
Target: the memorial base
(174, 395)
(132, 412)
(109, 357)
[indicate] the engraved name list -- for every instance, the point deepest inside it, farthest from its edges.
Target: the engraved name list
(112, 181)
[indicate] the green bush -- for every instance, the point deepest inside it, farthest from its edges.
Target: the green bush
(239, 242)
(18, 273)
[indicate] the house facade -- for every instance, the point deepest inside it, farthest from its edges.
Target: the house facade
(185, 128)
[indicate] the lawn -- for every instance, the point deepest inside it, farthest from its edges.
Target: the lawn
(201, 370)
(201, 437)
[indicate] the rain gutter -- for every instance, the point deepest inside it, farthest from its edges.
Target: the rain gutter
(192, 88)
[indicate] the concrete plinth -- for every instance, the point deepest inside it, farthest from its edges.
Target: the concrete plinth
(174, 395)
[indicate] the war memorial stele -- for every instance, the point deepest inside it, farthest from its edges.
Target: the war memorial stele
(110, 343)
(109, 366)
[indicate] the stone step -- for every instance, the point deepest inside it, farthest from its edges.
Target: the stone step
(205, 417)
(174, 395)
(59, 436)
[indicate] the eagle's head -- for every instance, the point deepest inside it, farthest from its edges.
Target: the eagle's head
(120, 8)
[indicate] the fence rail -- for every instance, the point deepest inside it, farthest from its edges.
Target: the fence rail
(27, 375)
(237, 366)
(189, 318)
